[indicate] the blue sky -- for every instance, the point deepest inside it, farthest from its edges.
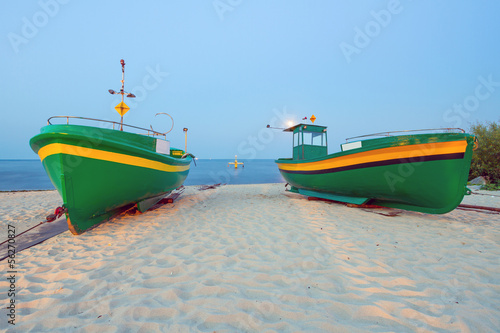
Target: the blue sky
(226, 68)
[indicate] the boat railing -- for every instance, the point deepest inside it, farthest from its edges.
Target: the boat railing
(391, 133)
(150, 132)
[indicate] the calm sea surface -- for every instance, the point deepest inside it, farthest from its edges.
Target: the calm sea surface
(18, 175)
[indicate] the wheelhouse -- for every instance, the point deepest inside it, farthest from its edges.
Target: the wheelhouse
(309, 141)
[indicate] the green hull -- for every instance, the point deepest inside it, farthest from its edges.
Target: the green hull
(425, 173)
(101, 172)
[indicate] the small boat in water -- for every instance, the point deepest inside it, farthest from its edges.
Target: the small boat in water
(425, 172)
(101, 172)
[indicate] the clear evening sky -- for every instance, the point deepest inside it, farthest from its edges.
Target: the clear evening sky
(226, 68)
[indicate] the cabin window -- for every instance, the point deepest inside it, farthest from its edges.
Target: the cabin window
(295, 139)
(318, 139)
(307, 138)
(299, 135)
(314, 139)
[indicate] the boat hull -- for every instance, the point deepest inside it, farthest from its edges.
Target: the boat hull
(425, 173)
(100, 173)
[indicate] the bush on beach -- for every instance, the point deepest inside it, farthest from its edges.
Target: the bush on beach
(486, 158)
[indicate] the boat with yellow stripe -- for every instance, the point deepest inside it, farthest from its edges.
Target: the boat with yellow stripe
(102, 170)
(424, 172)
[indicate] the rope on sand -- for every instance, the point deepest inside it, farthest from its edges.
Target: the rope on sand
(58, 212)
(479, 208)
(492, 195)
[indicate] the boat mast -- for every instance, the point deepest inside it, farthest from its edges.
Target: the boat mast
(185, 130)
(122, 108)
(122, 90)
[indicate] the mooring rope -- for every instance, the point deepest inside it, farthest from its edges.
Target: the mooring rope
(58, 212)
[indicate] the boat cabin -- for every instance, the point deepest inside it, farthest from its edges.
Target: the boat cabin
(309, 141)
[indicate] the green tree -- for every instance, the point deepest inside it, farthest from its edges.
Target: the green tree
(486, 158)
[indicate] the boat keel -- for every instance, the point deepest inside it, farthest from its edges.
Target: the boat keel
(145, 204)
(334, 197)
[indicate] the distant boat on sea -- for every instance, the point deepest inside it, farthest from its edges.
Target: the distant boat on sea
(419, 172)
(101, 172)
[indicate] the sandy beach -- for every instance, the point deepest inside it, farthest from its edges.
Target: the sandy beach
(254, 258)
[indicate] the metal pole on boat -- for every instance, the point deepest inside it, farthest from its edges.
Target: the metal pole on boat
(185, 139)
(122, 108)
(122, 91)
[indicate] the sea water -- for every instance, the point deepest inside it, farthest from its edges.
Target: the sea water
(18, 175)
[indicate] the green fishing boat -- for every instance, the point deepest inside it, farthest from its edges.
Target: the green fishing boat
(425, 172)
(101, 172)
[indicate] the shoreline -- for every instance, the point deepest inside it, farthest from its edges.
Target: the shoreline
(13, 191)
(255, 258)
(473, 188)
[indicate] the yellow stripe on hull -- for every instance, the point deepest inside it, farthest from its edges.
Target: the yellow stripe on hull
(60, 148)
(400, 152)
